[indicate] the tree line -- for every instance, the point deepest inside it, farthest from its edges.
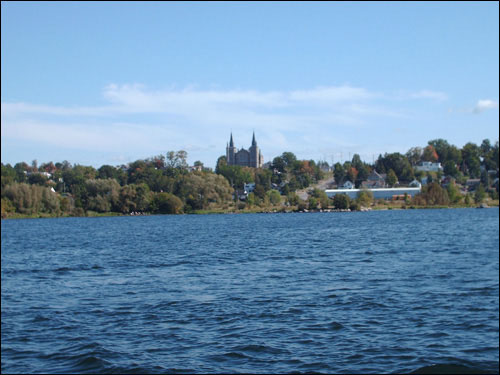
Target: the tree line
(165, 184)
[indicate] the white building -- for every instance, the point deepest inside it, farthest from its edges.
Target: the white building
(386, 193)
(428, 166)
(415, 183)
(249, 187)
(348, 185)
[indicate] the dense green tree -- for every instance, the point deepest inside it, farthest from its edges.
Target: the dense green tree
(8, 175)
(321, 197)
(289, 158)
(454, 155)
(398, 163)
(263, 177)
(450, 169)
(236, 175)
(485, 178)
(163, 183)
(430, 154)
(166, 203)
(442, 148)
(339, 173)
(380, 164)
(37, 179)
(107, 171)
(87, 172)
(134, 198)
(363, 173)
(7, 208)
(341, 201)
(467, 199)
(471, 161)
(102, 195)
(293, 199)
(391, 178)
(432, 194)
(365, 198)
(490, 160)
(485, 147)
(65, 165)
(479, 194)
(198, 190)
(352, 175)
(414, 155)
(221, 162)
(158, 161)
(356, 161)
(274, 197)
(21, 171)
(279, 164)
(453, 193)
(31, 199)
(251, 199)
(313, 203)
(47, 167)
(259, 192)
(177, 159)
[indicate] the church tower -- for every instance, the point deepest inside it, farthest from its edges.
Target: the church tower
(231, 152)
(256, 159)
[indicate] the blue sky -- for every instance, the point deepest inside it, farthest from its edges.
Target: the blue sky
(110, 83)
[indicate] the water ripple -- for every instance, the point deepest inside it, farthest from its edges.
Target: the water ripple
(374, 292)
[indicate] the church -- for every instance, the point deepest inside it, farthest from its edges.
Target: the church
(251, 158)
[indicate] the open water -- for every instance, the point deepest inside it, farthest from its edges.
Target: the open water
(369, 292)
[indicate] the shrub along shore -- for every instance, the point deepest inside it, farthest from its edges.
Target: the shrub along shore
(375, 206)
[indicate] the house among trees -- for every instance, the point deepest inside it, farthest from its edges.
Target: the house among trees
(249, 187)
(428, 166)
(374, 181)
(472, 183)
(348, 185)
(415, 183)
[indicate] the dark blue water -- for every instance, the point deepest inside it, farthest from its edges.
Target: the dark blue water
(370, 292)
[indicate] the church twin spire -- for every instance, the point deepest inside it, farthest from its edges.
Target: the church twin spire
(231, 143)
(251, 158)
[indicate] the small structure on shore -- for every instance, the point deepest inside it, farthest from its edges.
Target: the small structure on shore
(385, 193)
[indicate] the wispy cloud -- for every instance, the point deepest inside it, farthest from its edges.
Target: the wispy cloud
(136, 98)
(330, 94)
(481, 106)
(484, 104)
(136, 117)
(429, 94)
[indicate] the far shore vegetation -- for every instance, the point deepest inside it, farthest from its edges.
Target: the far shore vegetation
(166, 184)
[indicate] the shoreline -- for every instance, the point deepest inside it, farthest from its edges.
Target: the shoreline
(281, 210)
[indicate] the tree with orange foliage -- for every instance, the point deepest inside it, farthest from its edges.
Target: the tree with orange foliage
(430, 154)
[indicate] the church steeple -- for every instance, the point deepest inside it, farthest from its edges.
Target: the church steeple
(231, 143)
(253, 140)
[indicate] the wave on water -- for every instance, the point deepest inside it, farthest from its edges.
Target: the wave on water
(249, 294)
(453, 369)
(57, 270)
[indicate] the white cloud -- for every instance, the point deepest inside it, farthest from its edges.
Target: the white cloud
(88, 137)
(331, 94)
(137, 119)
(484, 104)
(346, 103)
